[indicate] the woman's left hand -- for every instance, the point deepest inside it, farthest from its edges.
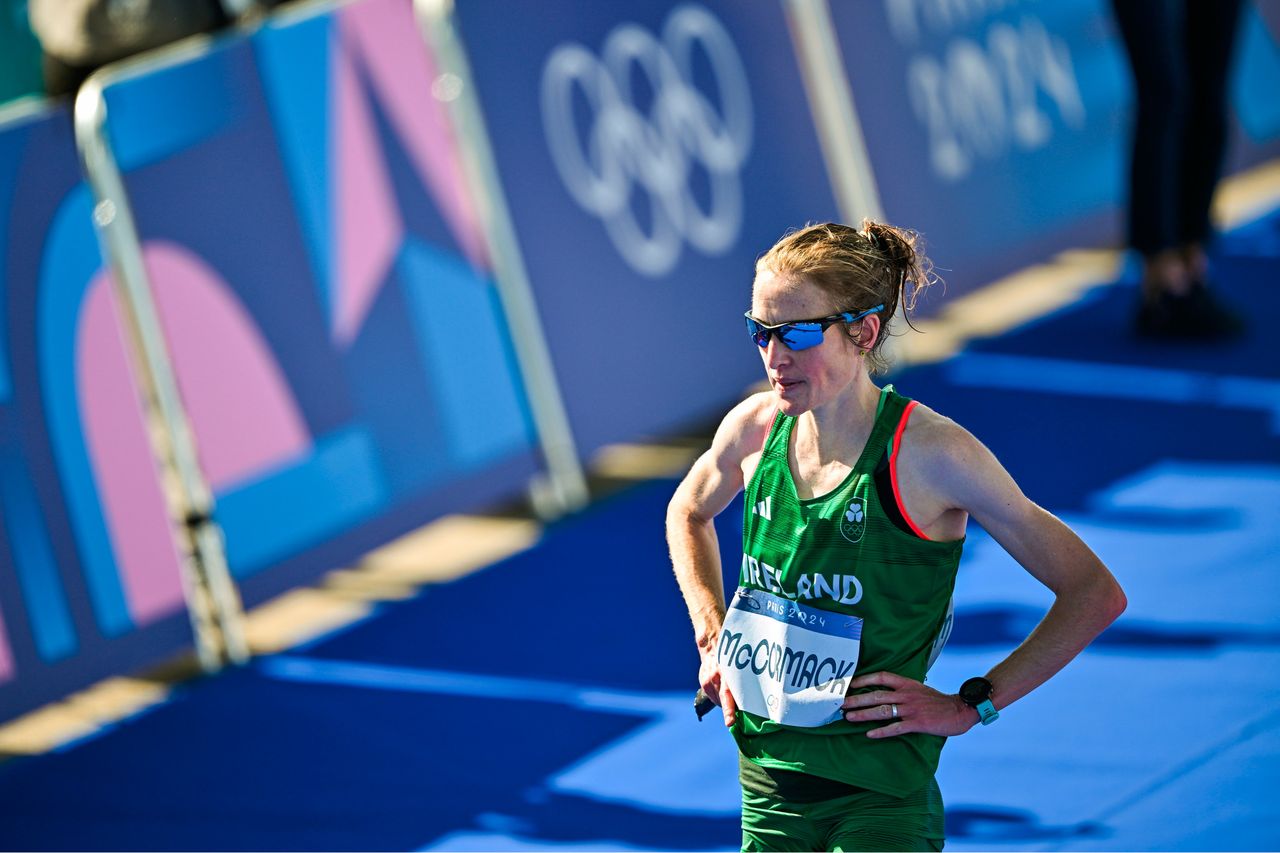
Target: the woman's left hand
(907, 706)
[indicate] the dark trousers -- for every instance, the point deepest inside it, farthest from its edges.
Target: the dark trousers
(1180, 53)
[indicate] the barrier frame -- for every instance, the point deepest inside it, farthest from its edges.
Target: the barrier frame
(565, 487)
(834, 110)
(213, 600)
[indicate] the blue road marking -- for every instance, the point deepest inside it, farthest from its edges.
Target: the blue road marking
(1120, 381)
(353, 674)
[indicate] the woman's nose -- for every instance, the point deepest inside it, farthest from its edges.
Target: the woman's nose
(776, 352)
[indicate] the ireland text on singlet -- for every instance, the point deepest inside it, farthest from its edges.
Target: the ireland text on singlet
(841, 552)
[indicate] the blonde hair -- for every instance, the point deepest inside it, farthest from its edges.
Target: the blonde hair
(859, 269)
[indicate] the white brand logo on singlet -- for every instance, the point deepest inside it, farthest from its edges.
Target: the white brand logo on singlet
(853, 522)
(764, 508)
(785, 661)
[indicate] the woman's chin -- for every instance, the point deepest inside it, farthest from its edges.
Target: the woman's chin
(790, 404)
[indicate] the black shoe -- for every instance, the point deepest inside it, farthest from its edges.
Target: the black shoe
(1195, 315)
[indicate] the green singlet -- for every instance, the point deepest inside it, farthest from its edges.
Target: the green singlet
(842, 552)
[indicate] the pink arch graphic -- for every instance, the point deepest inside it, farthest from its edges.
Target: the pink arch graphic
(241, 411)
(6, 655)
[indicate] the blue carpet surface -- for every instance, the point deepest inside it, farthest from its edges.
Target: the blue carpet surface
(544, 702)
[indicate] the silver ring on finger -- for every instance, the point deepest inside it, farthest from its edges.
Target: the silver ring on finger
(894, 709)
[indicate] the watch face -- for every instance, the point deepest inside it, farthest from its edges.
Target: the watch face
(975, 691)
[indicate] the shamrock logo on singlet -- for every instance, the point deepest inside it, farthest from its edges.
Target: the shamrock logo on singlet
(853, 523)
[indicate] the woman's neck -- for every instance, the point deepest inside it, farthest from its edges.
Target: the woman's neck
(839, 429)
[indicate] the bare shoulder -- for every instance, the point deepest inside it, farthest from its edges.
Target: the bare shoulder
(719, 473)
(956, 468)
(935, 438)
(746, 426)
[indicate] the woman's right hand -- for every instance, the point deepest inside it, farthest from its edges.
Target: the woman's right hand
(709, 678)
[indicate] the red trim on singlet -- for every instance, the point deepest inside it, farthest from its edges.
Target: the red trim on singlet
(893, 469)
(769, 431)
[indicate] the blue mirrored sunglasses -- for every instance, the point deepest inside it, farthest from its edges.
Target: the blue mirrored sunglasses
(801, 334)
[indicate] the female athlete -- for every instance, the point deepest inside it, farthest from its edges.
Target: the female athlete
(856, 504)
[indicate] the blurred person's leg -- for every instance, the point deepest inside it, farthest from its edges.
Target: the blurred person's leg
(1152, 33)
(1209, 42)
(1175, 162)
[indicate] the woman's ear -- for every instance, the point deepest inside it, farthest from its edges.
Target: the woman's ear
(870, 332)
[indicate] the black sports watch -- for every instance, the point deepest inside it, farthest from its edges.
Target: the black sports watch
(976, 693)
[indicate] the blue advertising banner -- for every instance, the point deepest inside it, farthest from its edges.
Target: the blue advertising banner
(328, 304)
(80, 598)
(1254, 83)
(648, 152)
(323, 287)
(992, 126)
(1006, 125)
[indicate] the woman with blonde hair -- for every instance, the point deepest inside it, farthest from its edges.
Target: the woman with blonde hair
(857, 499)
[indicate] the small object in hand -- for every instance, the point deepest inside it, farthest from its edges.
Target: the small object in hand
(702, 704)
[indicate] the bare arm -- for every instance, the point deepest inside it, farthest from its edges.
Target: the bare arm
(1087, 598)
(711, 484)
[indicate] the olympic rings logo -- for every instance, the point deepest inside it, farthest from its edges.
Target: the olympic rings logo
(620, 147)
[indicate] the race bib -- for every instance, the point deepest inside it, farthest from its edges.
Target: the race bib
(786, 661)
